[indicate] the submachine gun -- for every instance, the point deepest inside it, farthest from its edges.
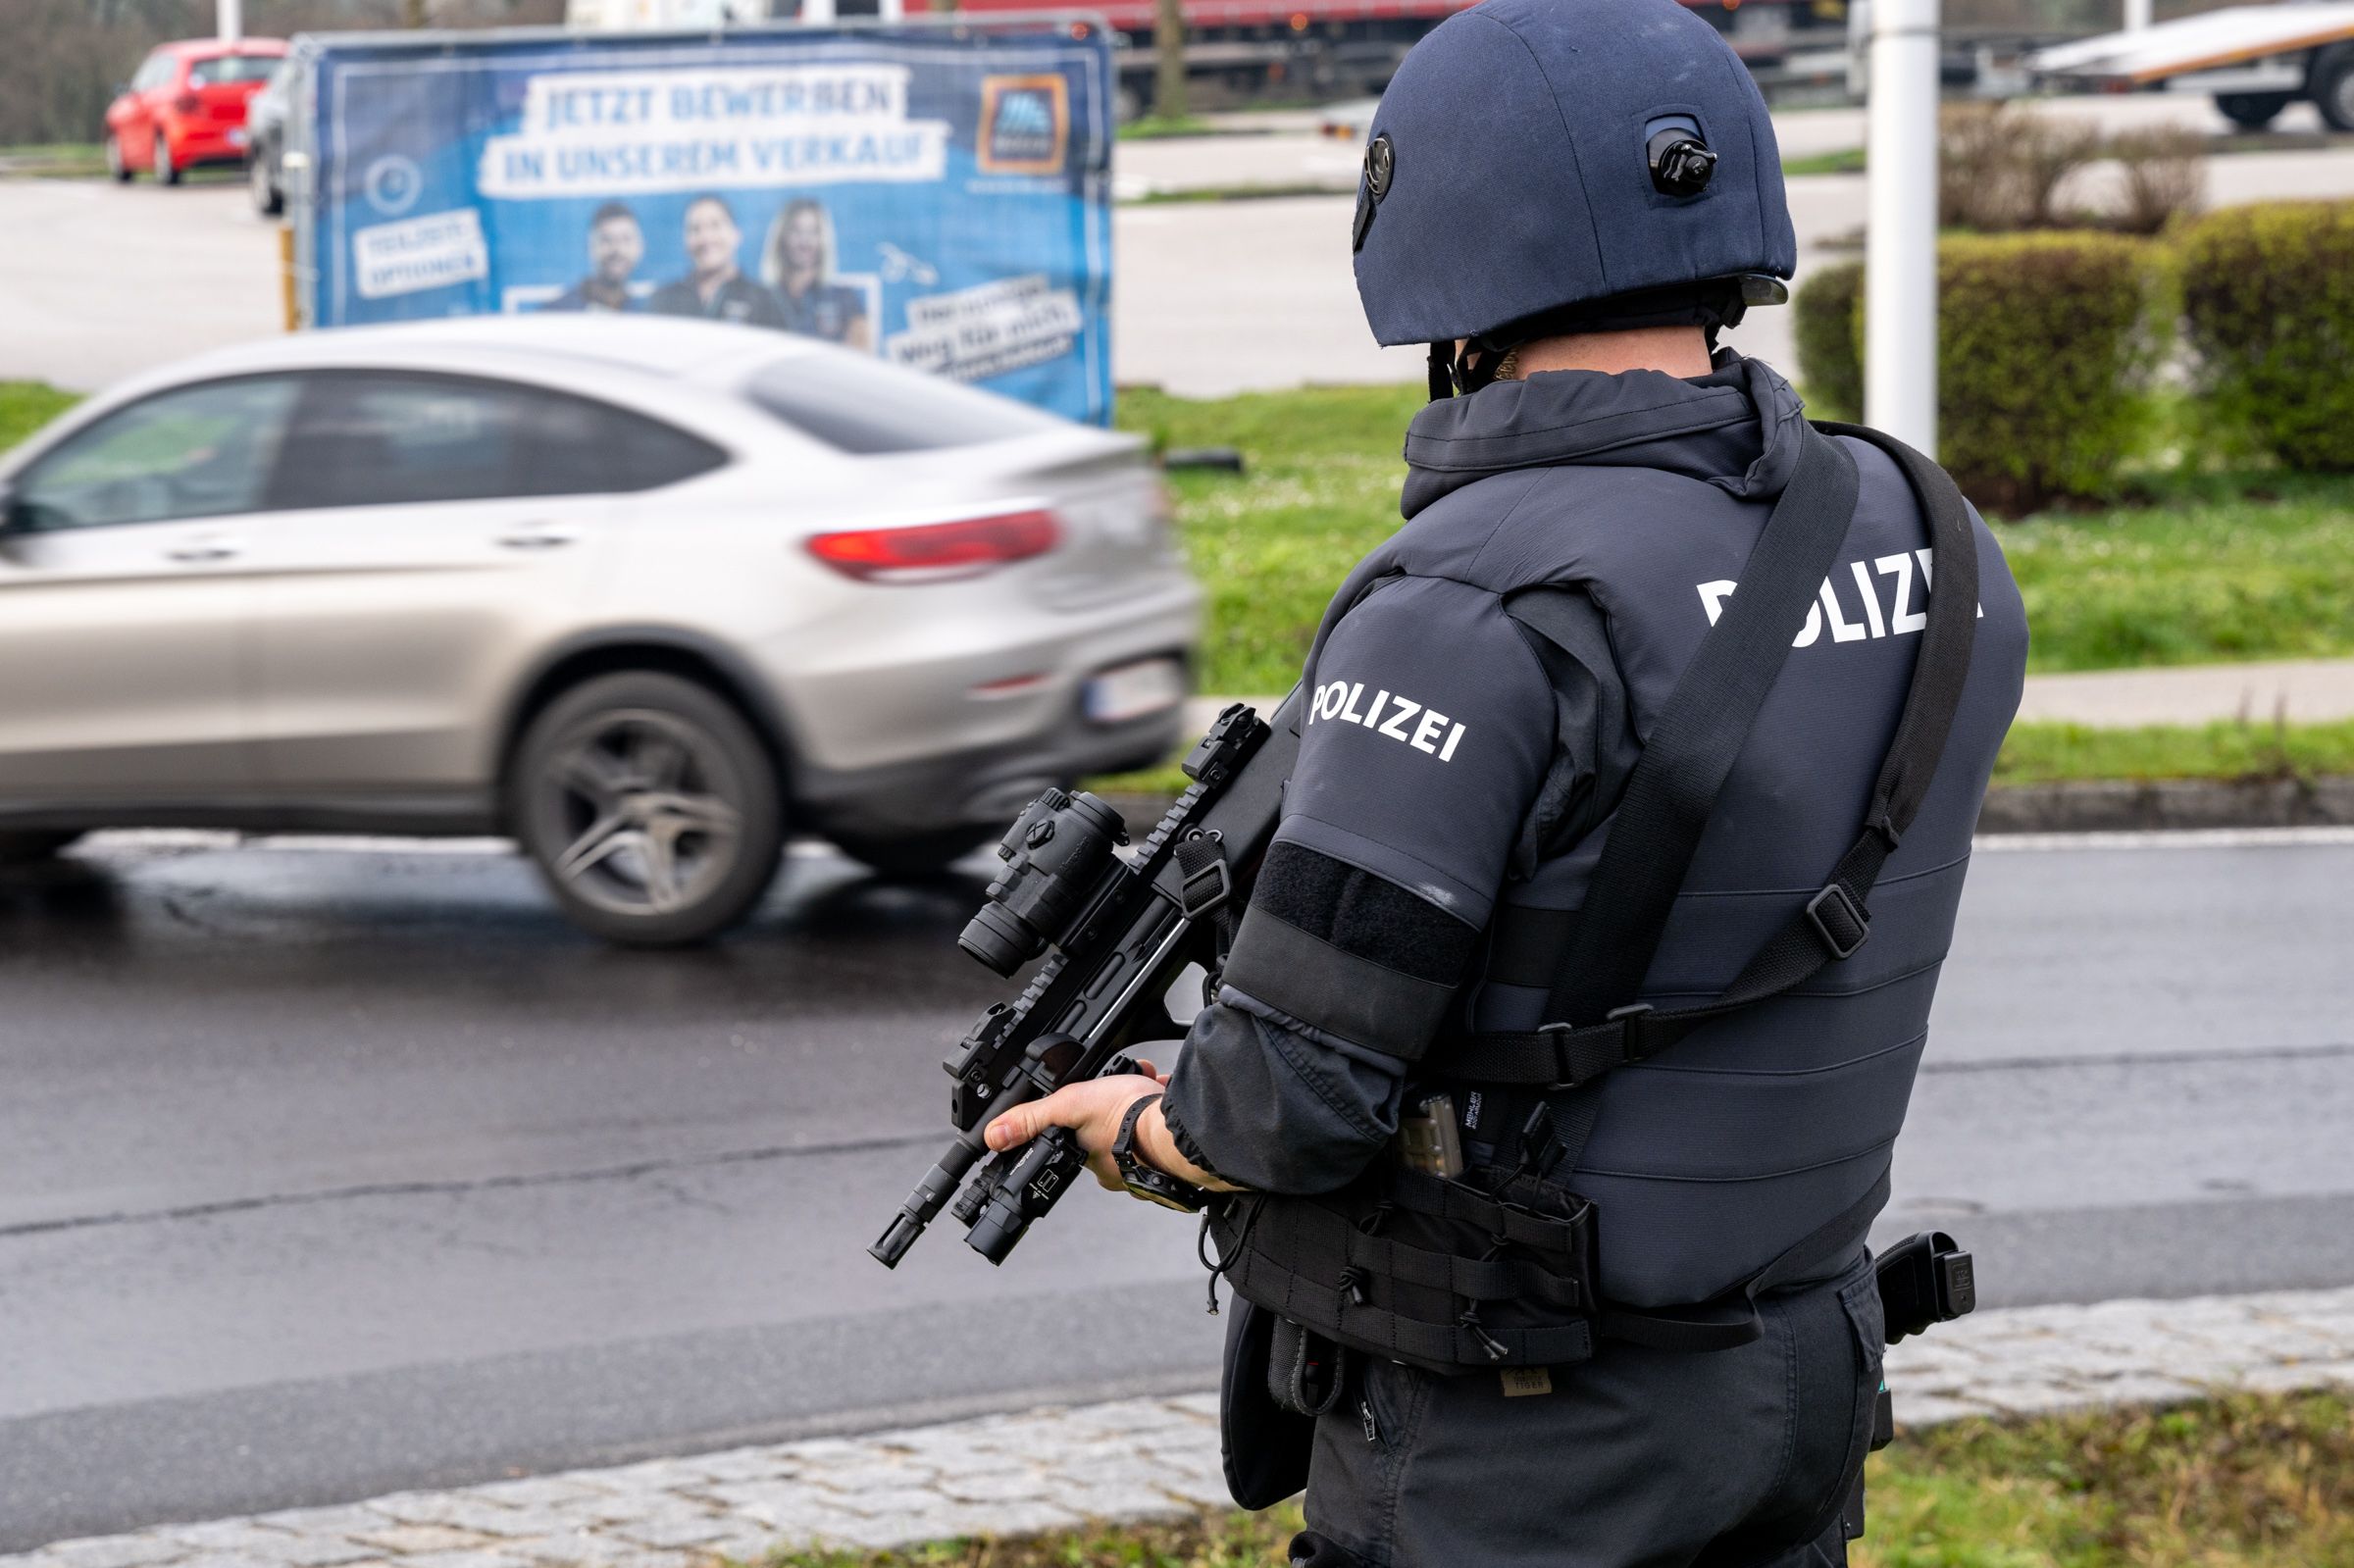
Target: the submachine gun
(1118, 930)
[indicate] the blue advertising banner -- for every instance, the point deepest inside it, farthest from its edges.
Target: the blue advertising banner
(936, 196)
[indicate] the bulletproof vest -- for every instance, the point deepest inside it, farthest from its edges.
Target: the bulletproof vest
(1744, 1145)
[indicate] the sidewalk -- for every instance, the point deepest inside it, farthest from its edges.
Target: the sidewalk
(1139, 1458)
(2304, 690)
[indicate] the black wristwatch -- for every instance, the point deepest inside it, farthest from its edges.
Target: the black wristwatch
(1149, 1182)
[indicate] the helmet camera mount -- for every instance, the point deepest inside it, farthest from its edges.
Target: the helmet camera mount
(1681, 162)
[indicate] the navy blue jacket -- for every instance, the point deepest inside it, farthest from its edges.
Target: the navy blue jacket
(1457, 765)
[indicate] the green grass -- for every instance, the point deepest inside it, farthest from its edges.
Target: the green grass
(1320, 488)
(1153, 127)
(26, 406)
(2203, 569)
(2241, 1483)
(2204, 578)
(56, 160)
(1841, 161)
(2060, 753)
(2069, 753)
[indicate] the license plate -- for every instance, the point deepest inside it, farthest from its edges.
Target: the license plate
(1132, 690)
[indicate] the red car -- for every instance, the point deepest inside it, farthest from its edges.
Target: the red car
(187, 106)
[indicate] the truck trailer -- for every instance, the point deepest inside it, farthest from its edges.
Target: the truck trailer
(2254, 61)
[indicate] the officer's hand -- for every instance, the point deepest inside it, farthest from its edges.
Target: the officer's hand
(1093, 1109)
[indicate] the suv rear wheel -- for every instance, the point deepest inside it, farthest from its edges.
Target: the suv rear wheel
(267, 198)
(650, 806)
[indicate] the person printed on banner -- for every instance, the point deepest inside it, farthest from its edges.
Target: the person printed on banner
(714, 286)
(616, 245)
(798, 261)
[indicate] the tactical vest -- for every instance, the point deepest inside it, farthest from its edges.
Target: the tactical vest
(1695, 1030)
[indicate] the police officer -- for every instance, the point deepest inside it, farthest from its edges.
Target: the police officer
(1633, 1321)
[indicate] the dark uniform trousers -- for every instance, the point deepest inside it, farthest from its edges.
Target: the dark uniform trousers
(1637, 1458)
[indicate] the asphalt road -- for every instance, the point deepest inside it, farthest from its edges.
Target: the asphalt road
(327, 1171)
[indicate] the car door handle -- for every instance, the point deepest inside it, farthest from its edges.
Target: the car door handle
(540, 537)
(198, 551)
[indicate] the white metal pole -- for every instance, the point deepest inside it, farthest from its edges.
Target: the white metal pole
(1900, 257)
(2139, 15)
(232, 19)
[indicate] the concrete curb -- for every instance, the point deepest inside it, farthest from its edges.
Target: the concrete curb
(1136, 1459)
(2113, 805)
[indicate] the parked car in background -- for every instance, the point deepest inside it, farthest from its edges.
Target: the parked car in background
(187, 106)
(646, 594)
(266, 140)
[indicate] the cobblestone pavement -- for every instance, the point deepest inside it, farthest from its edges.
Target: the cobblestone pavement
(1138, 1458)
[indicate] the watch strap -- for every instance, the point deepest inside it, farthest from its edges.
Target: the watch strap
(1147, 1181)
(1123, 1147)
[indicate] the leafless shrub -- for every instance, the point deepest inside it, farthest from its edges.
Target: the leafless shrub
(2002, 165)
(2164, 177)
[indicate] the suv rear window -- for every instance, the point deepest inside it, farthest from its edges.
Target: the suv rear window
(866, 407)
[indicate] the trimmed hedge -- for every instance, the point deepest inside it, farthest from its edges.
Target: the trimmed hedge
(1830, 361)
(2047, 346)
(2268, 306)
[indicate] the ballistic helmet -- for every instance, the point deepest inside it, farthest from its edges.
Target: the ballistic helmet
(1547, 165)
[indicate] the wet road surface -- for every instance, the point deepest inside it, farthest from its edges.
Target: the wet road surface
(335, 1169)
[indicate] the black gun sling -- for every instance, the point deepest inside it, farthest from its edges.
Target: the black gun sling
(1498, 1267)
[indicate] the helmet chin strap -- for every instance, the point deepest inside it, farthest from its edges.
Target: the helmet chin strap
(1461, 372)
(1442, 372)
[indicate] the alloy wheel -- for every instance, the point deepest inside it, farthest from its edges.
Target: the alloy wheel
(644, 801)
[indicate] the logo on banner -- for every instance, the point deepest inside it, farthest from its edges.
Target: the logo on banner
(1025, 125)
(393, 185)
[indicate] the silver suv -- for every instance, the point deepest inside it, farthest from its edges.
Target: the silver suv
(644, 594)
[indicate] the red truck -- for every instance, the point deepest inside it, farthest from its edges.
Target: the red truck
(1332, 48)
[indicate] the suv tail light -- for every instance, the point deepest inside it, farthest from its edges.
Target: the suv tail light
(935, 552)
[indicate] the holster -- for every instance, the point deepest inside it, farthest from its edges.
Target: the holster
(1264, 1444)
